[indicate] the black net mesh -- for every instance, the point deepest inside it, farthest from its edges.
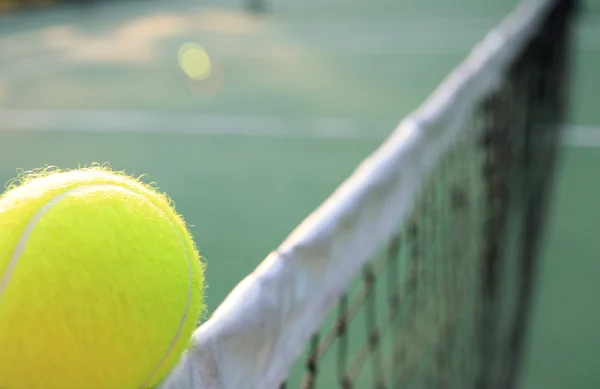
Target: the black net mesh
(445, 305)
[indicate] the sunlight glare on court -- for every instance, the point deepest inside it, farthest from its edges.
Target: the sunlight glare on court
(194, 61)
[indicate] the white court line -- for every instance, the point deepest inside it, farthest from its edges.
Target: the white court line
(267, 126)
(582, 136)
(118, 121)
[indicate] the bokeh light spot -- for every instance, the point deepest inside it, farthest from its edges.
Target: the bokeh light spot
(194, 61)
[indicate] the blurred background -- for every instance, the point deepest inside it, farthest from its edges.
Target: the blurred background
(248, 113)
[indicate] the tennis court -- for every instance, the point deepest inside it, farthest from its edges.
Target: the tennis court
(294, 102)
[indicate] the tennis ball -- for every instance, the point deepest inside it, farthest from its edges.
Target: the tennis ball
(101, 286)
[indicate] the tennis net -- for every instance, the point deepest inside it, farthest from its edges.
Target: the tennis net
(418, 271)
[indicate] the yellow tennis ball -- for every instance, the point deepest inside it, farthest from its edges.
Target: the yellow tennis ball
(101, 286)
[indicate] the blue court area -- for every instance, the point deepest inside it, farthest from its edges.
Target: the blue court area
(294, 101)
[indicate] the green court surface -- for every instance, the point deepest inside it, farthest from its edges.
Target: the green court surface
(295, 101)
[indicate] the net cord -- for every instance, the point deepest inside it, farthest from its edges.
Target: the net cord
(256, 334)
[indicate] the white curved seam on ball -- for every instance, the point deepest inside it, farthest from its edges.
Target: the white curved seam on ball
(185, 313)
(25, 236)
(45, 208)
